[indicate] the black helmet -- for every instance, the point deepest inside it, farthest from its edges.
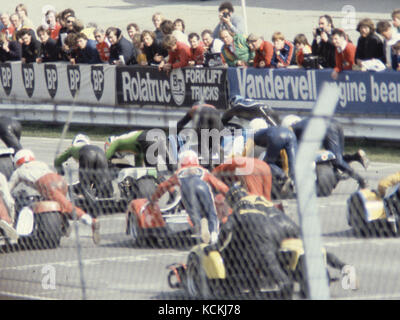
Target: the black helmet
(235, 193)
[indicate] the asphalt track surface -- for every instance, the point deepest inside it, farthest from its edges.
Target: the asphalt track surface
(118, 270)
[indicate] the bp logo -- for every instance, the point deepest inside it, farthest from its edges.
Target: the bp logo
(74, 79)
(28, 76)
(177, 81)
(50, 71)
(6, 77)
(97, 77)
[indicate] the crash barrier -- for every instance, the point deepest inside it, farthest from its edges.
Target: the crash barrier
(156, 252)
(143, 96)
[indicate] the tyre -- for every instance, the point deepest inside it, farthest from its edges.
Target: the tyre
(135, 231)
(326, 179)
(195, 284)
(48, 232)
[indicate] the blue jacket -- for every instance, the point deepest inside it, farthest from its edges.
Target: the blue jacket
(90, 54)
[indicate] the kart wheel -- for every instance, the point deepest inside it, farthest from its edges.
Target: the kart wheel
(326, 179)
(135, 231)
(48, 232)
(196, 284)
(50, 229)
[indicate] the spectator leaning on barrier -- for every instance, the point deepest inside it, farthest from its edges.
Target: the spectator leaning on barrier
(212, 45)
(345, 52)
(284, 54)
(228, 20)
(49, 48)
(86, 51)
(396, 19)
(196, 50)
(102, 45)
(31, 48)
(303, 48)
(396, 56)
(264, 51)
(235, 52)
(178, 52)
(322, 45)
(121, 49)
(369, 45)
(153, 49)
(391, 36)
(9, 50)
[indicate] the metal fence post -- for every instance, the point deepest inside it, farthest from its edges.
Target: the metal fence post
(306, 195)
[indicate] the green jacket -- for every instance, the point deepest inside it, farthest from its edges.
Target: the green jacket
(128, 142)
(241, 51)
(70, 152)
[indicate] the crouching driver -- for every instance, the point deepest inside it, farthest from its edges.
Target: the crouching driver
(50, 185)
(197, 196)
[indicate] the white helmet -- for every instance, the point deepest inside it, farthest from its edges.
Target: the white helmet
(80, 139)
(188, 158)
(258, 124)
(290, 120)
(23, 156)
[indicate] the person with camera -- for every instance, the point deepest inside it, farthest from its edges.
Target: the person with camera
(228, 21)
(322, 45)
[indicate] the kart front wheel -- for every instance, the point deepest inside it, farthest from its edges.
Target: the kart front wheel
(196, 284)
(135, 231)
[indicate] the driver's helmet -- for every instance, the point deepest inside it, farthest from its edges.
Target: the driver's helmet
(235, 194)
(80, 139)
(188, 158)
(290, 120)
(258, 124)
(235, 99)
(108, 142)
(23, 156)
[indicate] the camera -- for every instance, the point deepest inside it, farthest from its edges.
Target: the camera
(225, 14)
(319, 30)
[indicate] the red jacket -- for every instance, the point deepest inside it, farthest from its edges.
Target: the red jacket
(197, 55)
(265, 54)
(174, 181)
(180, 57)
(254, 174)
(345, 59)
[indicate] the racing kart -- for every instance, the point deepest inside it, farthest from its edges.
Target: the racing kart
(327, 176)
(205, 274)
(128, 182)
(165, 219)
(39, 223)
(370, 215)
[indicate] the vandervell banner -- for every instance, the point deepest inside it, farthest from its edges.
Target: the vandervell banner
(180, 87)
(360, 92)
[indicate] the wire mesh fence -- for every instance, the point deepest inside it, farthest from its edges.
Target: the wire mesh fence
(128, 232)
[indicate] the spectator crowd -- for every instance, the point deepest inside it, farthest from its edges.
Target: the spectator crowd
(64, 37)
